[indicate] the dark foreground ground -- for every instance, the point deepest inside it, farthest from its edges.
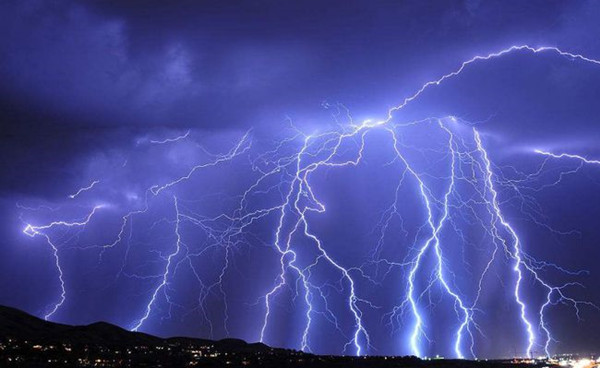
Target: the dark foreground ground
(26, 341)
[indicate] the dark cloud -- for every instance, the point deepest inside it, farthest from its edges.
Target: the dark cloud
(127, 66)
(85, 87)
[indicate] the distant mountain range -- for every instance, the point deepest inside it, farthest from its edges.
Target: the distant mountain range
(27, 341)
(22, 326)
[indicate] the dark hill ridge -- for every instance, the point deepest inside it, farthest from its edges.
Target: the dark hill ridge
(38, 343)
(19, 325)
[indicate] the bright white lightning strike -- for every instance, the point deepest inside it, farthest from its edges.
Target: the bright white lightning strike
(489, 56)
(167, 271)
(299, 204)
(568, 155)
(33, 231)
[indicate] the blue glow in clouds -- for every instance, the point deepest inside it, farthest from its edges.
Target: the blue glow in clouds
(452, 177)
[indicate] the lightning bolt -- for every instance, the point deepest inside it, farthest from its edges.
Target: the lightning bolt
(171, 140)
(72, 196)
(299, 190)
(167, 271)
(283, 191)
(487, 57)
(41, 230)
(242, 146)
(434, 239)
(516, 253)
(524, 263)
(568, 155)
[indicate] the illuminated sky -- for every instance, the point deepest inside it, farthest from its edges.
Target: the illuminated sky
(134, 136)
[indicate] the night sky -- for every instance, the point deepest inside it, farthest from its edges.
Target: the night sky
(185, 121)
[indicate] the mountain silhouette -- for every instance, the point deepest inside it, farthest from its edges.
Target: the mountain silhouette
(19, 325)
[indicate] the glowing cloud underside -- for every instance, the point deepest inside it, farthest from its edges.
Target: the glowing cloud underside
(285, 174)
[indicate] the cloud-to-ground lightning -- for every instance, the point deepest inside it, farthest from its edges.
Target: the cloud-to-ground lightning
(43, 230)
(167, 271)
(516, 251)
(285, 194)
